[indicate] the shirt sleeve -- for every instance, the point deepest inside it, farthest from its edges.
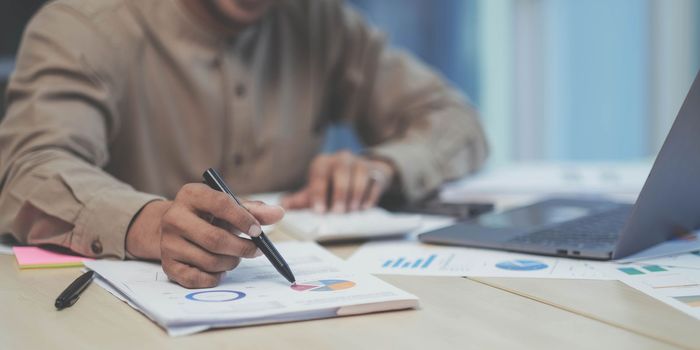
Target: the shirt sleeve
(403, 110)
(55, 136)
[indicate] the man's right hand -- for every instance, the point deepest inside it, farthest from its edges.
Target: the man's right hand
(194, 252)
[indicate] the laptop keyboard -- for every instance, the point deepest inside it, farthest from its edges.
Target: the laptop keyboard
(588, 232)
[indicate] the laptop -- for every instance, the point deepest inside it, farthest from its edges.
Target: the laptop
(667, 207)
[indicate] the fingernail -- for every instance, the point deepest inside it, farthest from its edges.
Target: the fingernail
(339, 207)
(258, 253)
(280, 208)
(254, 231)
(319, 207)
(355, 206)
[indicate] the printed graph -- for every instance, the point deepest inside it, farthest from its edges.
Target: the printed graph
(521, 265)
(323, 285)
(403, 263)
(215, 296)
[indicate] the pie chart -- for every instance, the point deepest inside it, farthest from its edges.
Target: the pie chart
(521, 265)
(323, 285)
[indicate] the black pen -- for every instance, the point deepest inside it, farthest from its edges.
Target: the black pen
(69, 296)
(212, 178)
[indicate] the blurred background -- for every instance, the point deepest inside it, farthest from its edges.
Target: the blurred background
(561, 80)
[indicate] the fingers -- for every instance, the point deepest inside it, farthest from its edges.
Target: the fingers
(188, 276)
(319, 177)
(359, 187)
(349, 180)
(201, 198)
(181, 250)
(341, 175)
(210, 237)
(194, 252)
(373, 195)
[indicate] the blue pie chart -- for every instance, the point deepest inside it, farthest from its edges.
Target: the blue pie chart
(521, 265)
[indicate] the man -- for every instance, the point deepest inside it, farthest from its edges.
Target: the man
(117, 106)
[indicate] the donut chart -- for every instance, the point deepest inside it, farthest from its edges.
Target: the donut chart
(215, 296)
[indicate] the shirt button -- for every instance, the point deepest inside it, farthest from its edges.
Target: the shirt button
(96, 246)
(237, 159)
(422, 182)
(240, 90)
(216, 62)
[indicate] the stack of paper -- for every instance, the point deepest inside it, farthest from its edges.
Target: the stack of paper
(254, 293)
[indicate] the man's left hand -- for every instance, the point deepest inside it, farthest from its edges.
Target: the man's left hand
(342, 182)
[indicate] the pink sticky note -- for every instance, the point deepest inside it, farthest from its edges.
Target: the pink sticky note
(35, 257)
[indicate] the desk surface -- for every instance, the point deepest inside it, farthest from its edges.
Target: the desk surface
(455, 313)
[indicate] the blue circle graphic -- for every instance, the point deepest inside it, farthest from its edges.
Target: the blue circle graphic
(521, 265)
(215, 296)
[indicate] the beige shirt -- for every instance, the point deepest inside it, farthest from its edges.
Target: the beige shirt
(115, 103)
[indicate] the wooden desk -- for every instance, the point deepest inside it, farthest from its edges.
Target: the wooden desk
(455, 313)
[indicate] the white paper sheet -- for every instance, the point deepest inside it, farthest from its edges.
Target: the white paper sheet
(544, 179)
(674, 286)
(370, 223)
(687, 244)
(6, 249)
(690, 260)
(373, 223)
(6, 244)
(414, 258)
(430, 223)
(254, 293)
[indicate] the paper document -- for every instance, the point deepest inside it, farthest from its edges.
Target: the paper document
(6, 249)
(6, 244)
(689, 243)
(254, 292)
(674, 286)
(546, 179)
(690, 260)
(370, 223)
(414, 258)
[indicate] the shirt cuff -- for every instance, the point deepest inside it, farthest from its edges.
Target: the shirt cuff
(101, 226)
(417, 175)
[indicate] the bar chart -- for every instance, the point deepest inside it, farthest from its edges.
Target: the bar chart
(403, 263)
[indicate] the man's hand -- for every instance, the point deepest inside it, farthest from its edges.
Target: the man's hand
(194, 252)
(346, 181)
